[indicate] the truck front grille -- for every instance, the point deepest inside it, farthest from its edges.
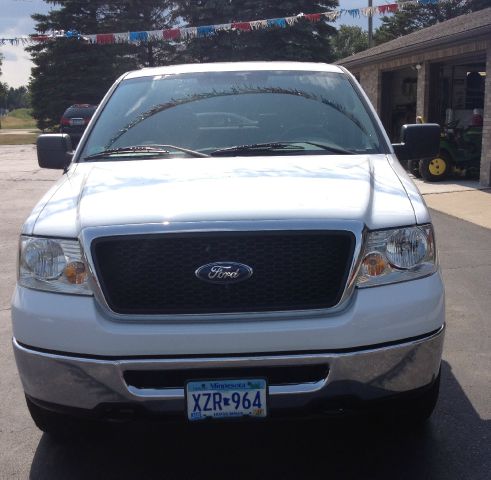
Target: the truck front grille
(155, 274)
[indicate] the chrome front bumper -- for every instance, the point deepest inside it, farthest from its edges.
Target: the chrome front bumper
(367, 374)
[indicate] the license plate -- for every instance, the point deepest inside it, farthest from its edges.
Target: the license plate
(226, 399)
(76, 121)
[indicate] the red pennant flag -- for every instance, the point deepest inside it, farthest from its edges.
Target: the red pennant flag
(171, 34)
(244, 26)
(105, 38)
(39, 38)
(313, 17)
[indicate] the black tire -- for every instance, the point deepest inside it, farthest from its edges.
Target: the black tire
(413, 168)
(416, 411)
(436, 169)
(58, 425)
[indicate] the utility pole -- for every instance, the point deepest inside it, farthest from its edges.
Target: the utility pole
(370, 25)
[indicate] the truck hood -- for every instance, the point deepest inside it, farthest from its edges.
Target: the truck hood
(363, 188)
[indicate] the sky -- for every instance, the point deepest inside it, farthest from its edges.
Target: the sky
(15, 20)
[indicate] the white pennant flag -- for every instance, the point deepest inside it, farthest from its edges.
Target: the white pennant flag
(257, 24)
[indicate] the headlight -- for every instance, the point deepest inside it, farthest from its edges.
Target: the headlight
(397, 255)
(53, 265)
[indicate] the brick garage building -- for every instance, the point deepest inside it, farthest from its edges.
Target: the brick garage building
(442, 73)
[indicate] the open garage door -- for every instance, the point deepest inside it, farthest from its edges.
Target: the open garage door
(456, 96)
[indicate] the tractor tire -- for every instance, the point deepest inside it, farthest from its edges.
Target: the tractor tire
(413, 168)
(436, 169)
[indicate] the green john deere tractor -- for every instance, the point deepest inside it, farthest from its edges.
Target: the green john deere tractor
(460, 152)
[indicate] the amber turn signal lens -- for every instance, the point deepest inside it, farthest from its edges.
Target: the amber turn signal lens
(75, 273)
(374, 264)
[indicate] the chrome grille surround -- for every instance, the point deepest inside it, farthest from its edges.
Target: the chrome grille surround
(89, 234)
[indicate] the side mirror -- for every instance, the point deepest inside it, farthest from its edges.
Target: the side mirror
(54, 150)
(418, 142)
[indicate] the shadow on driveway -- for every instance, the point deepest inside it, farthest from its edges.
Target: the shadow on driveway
(453, 445)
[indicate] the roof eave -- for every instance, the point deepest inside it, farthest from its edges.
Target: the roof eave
(437, 42)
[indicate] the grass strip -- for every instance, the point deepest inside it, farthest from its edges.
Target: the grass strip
(18, 139)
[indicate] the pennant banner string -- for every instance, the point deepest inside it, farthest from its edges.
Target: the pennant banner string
(185, 33)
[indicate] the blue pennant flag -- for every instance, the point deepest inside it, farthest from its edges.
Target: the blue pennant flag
(206, 31)
(354, 12)
(138, 36)
(72, 34)
(277, 22)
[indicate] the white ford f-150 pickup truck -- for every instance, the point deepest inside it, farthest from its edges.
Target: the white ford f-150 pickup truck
(230, 240)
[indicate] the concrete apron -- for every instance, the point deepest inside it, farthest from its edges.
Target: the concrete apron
(463, 199)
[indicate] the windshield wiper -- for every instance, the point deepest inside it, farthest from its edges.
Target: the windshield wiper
(275, 147)
(330, 148)
(256, 148)
(136, 150)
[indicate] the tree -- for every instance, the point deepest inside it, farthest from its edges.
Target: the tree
(3, 97)
(69, 71)
(133, 16)
(16, 98)
(305, 40)
(348, 41)
(3, 89)
(415, 17)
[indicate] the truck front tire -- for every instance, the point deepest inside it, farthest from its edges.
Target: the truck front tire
(58, 425)
(416, 411)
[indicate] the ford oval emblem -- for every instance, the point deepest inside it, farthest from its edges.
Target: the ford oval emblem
(224, 272)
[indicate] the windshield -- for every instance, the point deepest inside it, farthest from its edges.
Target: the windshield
(309, 112)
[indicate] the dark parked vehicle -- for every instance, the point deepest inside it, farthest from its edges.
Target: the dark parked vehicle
(75, 120)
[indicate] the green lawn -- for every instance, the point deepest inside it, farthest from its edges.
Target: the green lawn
(20, 118)
(17, 139)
